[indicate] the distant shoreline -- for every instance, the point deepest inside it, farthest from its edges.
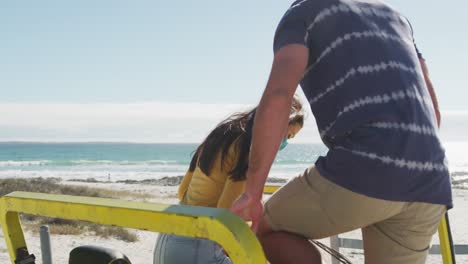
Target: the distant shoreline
(91, 142)
(174, 181)
(122, 142)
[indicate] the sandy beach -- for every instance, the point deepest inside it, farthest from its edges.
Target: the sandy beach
(141, 252)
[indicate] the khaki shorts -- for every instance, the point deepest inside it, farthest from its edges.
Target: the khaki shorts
(393, 232)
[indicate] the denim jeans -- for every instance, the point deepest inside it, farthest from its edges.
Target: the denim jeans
(172, 249)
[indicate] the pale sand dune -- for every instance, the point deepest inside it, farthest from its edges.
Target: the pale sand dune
(141, 252)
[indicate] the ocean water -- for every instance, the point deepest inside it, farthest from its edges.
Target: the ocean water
(127, 161)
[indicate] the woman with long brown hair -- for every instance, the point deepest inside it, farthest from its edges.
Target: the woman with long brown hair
(216, 178)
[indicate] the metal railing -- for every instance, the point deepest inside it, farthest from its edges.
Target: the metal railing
(218, 225)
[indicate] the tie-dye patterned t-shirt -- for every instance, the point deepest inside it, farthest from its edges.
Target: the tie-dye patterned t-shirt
(367, 92)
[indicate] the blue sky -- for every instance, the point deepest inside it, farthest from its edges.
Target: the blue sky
(72, 54)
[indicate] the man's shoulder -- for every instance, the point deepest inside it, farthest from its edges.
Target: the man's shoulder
(325, 8)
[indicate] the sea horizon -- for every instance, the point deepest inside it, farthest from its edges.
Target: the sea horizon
(119, 161)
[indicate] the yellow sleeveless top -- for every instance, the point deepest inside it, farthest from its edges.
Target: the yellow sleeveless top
(217, 189)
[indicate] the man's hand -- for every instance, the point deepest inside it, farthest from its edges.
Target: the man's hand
(249, 209)
(271, 121)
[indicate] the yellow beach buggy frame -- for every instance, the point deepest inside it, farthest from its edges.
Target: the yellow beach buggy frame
(218, 225)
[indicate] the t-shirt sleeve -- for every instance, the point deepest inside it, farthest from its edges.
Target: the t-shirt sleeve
(418, 52)
(292, 29)
(420, 56)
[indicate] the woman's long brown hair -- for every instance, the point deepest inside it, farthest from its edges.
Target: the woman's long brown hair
(236, 127)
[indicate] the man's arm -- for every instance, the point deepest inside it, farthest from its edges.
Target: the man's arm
(430, 87)
(270, 124)
(272, 115)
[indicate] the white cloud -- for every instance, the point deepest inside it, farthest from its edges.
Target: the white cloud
(140, 122)
(108, 114)
(454, 126)
(147, 122)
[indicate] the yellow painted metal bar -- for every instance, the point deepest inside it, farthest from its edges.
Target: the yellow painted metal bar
(445, 242)
(219, 225)
(269, 189)
(12, 230)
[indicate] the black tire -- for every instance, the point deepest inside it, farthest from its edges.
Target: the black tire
(97, 255)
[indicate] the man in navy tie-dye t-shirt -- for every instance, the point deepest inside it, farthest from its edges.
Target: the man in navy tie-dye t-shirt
(376, 110)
